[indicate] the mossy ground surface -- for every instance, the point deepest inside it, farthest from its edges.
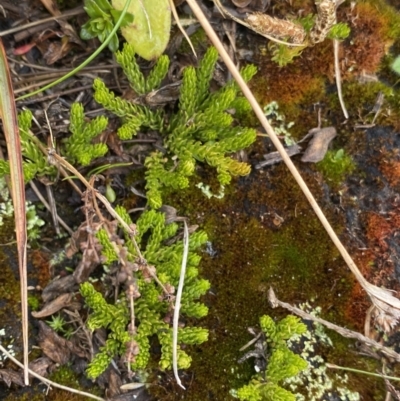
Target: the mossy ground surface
(264, 232)
(255, 249)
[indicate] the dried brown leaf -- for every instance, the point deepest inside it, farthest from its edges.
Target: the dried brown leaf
(54, 306)
(55, 347)
(62, 285)
(11, 376)
(41, 366)
(318, 145)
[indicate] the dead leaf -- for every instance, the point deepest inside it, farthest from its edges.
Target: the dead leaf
(55, 347)
(275, 157)
(52, 345)
(62, 285)
(318, 145)
(140, 394)
(51, 7)
(57, 50)
(54, 306)
(11, 376)
(114, 383)
(241, 3)
(41, 366)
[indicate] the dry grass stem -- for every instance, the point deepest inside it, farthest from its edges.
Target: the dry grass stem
(178, 23)
(99, 196)
(8, 114)
(67, 14)
(387, 304)
(275, 302)
(178, 305)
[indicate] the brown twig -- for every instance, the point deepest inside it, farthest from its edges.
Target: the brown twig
(275, 302)
(47, 206)
(47, 381)
(70, 13)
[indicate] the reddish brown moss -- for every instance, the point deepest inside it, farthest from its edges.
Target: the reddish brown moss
(41, 264)
(368, 41)
(391, 170)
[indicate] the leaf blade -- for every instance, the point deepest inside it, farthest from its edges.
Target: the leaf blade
(8, 114)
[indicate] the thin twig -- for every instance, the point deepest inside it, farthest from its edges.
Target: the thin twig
(275, 302)
(60, 168)
(67, 14)
(47, 206)
(102, 199)
(382, 376)
(47, 381)
(178, 304)
(382, 298)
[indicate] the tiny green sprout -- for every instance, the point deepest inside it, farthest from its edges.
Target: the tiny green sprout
(339, 156)
(103, 18)
(33, 302)
(110, 193)
(339, 31)
(396, 65)
(335, 166)
(57, 323)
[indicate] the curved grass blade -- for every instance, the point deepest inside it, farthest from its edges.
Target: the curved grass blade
(8, 114)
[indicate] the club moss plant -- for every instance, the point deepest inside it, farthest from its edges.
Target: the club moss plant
(282, 363)
(201, 131)
(152, 307)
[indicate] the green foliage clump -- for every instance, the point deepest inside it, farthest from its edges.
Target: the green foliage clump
(34, 302)
(200, 131)
(282, 362)
(78, 146)
(103, 18)
(284, 55)
(335, 166)
(339, 31)
(153, 306)
(34, 163)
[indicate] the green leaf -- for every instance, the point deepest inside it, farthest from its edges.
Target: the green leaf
(396, 65)
(128, 19)
(86, 32)
(150, 33)
(93, 10)
(104, 4)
